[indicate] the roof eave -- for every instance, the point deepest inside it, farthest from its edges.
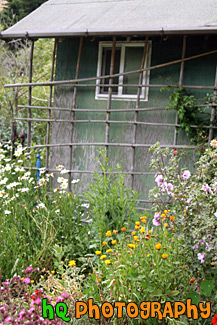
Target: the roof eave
(85, 33)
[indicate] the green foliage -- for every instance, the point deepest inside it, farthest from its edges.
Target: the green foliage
(192, 201)
(112, 204)
(130, 267)
(189, 114)
(19, 8)
(32, 220)
(14, 69)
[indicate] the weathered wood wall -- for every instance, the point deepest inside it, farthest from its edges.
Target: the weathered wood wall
(200, 71)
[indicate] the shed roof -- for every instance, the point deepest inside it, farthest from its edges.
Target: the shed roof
(62, 18)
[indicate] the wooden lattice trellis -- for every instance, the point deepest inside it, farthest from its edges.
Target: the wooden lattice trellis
(76, 83)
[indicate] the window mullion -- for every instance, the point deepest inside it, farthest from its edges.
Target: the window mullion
(121, 78)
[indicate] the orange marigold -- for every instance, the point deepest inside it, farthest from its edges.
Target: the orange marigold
(158, 246)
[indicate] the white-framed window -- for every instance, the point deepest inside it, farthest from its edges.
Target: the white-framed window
(128, 57)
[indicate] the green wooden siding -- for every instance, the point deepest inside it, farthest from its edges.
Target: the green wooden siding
(197, 72)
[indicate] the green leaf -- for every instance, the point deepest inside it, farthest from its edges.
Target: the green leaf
(194, 296)
(207, 286)
(174, 292)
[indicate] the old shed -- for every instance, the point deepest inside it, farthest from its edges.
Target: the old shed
(113, 57)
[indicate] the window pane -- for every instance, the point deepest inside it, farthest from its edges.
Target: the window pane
(133, 61)
(106, 61)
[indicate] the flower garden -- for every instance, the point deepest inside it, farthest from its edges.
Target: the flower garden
(58, 248)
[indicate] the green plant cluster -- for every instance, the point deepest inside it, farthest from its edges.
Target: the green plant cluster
(18, 8)
(191, 117)
(192, 200)
(111, 203)
(104, 248)
(14, 68)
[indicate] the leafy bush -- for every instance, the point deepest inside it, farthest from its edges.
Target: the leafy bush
(192, 200)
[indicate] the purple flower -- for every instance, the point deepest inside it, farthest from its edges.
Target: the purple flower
(186, 174)
(156, 222)
(27, 280)
(157, 215)
(195, 246)
(159, 180)
(8, 320)
(201, 257)
(28, 269)
(206, 188)
(169, 188)
(65, 295)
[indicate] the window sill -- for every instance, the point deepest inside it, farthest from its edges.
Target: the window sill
(122, 97)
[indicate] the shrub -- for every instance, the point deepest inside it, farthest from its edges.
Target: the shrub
(192, 200)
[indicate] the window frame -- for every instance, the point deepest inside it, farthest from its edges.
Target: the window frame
(146, 74)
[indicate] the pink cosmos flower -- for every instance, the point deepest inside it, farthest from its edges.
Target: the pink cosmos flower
(201, 257)
(156, 222)
(159, 180)
(206, 188)
(186, 174)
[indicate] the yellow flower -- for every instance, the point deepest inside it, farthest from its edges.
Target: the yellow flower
(52, 272)
(104, 243)
(131, 245)
(136, 238)
(108, 233)
(114, 242)
(170, 247)
(166, 211)
(42, 277)
(164, 255)
(89, 273)
(115, 232)
(32, 281)
(148, 255)
(133, 233)
(163, 215)
(99, 280)
(102, 257)
(172, 218)
(136, 227)
(142, 230)
(143, 218)
(72, 263)
(137, 223)
(109, 250)
(158, 246)
(149, 231)
(107, 262)
(166, 225)
(97, 252)
(123, 229)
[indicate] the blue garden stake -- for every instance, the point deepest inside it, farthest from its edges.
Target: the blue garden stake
(38, 165)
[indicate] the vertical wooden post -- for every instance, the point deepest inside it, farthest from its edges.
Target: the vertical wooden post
(137, 107)
(112, 64)
(213, 111)
(180, 84)
(71, 149)
(30, 95)
(50, 104)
